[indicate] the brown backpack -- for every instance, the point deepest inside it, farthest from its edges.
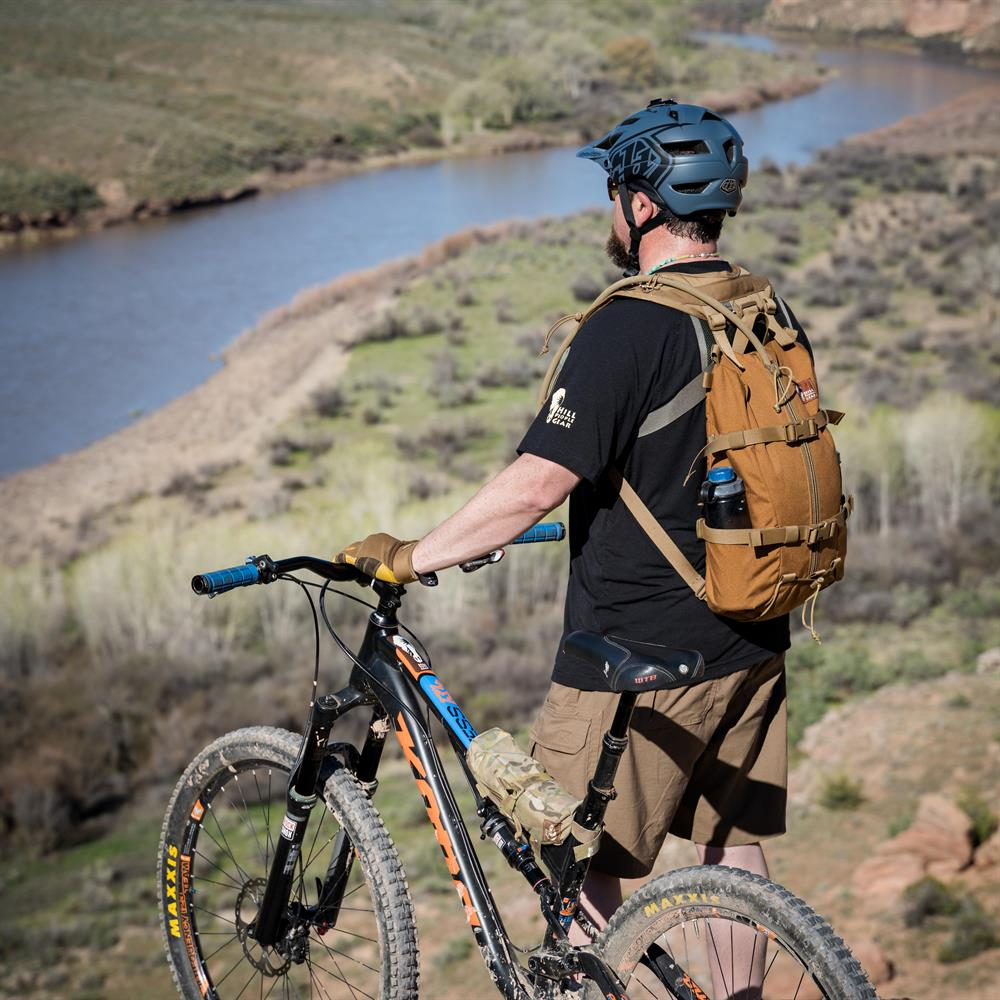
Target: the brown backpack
(764, 419)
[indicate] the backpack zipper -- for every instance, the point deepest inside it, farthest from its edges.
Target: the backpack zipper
(813, 486)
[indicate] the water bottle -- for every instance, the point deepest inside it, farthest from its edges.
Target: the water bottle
(724, 499)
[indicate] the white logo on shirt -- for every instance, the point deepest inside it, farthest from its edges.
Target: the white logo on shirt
(558, 414)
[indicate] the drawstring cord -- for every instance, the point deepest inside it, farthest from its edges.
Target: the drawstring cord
(555, 326)
(809, 612)
(782, 396)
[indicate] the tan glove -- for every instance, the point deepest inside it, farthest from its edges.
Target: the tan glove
(381, 556)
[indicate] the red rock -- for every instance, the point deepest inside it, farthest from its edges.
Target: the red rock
(941, 835)
(883, 877)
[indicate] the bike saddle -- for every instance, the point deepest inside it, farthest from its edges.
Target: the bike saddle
(635, 666)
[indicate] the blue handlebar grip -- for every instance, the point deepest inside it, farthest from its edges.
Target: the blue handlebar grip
(550, 531)
(218, 582)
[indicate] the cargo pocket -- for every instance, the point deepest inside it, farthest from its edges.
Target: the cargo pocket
(560, 744)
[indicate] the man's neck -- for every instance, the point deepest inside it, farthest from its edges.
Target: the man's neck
(667, 248)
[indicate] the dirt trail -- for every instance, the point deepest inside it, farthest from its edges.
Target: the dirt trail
(268, 373)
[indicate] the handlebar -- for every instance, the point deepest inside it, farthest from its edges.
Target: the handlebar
(264, 569)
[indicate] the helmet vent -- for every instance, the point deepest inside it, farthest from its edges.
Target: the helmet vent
(729, 147)
(630, 121)
(685, 147)
(690, 188)
(708, 116)
(608, 141)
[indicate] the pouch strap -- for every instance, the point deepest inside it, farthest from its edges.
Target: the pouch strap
(589, 841)
(789, 534)
(668, 548)
(802, 430)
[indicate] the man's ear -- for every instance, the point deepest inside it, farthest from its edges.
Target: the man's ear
(643, 208)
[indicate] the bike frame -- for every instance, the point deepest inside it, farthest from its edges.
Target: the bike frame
(392, 678)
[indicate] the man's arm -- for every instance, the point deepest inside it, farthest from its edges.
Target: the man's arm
(511, 503)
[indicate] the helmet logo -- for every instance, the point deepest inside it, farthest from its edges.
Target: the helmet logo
(729, 185)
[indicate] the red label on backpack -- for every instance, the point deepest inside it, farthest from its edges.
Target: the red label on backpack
(808, 390)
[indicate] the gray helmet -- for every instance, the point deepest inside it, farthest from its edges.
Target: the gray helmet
(684, 157)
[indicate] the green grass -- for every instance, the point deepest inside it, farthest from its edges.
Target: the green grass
(187, 97)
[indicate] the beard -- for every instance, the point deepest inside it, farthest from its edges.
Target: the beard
(617, 251)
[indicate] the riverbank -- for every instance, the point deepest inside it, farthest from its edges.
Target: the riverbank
(67, 506)
(22, 230)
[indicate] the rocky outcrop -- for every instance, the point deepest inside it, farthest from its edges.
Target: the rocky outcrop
(972, 25)
(938, 844)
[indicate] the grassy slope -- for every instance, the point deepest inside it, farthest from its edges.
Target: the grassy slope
(174, 99)
(468, 315)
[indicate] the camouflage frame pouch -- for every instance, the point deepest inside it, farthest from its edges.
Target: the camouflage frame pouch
(521, 788)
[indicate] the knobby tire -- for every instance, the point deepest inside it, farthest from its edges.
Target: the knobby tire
(217, 839)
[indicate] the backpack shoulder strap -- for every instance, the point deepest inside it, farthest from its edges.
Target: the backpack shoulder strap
(688, 397)
(559, 358)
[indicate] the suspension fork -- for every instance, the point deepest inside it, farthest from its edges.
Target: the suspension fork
(299, 802)
(331, 890)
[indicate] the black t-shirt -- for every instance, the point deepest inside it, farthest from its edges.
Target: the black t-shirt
(627, 360)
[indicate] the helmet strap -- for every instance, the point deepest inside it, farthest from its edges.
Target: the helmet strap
(636, 232)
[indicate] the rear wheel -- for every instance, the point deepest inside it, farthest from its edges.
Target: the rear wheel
(217, 843)
(733, 935)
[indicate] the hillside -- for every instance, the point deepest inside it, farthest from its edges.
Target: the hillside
(116, 110)
(386, 417)
(971, 26)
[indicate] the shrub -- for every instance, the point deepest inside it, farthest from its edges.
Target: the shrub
(972, 931)
(984, 820)
(329, 401)
(927, 898)
(841, 792)
(586, 287)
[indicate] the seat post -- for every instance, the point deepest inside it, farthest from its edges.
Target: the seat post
(601, 790)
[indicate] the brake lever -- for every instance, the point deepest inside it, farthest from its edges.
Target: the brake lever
(480, 561)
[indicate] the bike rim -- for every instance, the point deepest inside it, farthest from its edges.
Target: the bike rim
(225, 856)
(706, 946)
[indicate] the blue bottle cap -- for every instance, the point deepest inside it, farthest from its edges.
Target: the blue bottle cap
(721, 474)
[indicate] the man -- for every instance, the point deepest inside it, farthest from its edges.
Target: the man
(707, 762)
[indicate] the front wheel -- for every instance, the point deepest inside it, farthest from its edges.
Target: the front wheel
(217, 843)
(715, 933)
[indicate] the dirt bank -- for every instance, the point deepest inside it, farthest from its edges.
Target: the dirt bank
(56, 510)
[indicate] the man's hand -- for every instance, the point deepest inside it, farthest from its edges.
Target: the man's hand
(381, 556)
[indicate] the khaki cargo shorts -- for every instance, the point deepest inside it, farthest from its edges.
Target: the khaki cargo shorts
(708, 762)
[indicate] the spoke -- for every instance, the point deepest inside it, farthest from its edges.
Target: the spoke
(322, 847)
(205, 909)
(799, 986)
(222, 833)
(225, 944)
(340, 930)
(236, 882)
(222, 885)
(753, 954)
(732, 958)
(341, 979)
(770, 964)
(343, 954)
(312, 847)
(270, 991)
(718, 958)
(250, 823)
(253, 975)
(232, 969)
(313, 979)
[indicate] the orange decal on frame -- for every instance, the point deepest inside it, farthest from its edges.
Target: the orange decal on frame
(434, 815)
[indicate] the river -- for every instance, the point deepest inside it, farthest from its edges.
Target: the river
(106, 327)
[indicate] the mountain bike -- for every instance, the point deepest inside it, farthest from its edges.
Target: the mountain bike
(278, 878)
